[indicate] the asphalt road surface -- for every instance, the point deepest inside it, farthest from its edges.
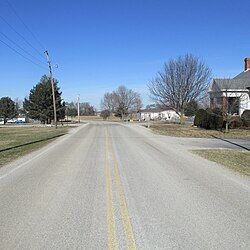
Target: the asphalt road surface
(108, 185)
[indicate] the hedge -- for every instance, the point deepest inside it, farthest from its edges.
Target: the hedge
(245, 117)
(209, 119)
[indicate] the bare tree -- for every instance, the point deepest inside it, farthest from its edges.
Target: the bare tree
(181, 81)
(127, 98)
(86, 109)
(105, 114)
(108, 102)
(122, 101)
(71, 110)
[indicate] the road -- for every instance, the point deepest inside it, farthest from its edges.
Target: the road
(109, 185)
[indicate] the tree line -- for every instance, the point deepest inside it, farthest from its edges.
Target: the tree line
(85, 109)
(39, 104)
(181, 85)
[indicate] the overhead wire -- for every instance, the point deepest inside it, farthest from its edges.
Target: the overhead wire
(38, 52)
(20, 47)
(25, 25)
(26, 58)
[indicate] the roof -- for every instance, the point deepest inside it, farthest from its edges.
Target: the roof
(243, 75)
(156, 110)
(241, 81)
(235, 83)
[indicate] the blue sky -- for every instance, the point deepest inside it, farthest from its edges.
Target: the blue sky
(99, 45)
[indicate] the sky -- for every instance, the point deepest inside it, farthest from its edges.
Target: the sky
(98, 45)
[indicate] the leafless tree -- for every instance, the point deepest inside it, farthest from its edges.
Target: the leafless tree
(181, 81)
(86, 109)
(122, 101)
(108, 102)
(127, 98)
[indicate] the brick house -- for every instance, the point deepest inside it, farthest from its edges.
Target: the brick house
(232, 95)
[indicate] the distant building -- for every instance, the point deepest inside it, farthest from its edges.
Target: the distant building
(232, 95)
(157, 114)
(17, 120)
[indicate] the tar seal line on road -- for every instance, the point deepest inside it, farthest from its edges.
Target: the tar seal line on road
(127, 227)
(112, 241)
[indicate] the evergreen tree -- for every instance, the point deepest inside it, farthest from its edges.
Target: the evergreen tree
(191, 108)
(39, 105)
(7, 108)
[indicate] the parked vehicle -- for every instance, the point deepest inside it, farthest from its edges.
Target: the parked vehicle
(18, 120)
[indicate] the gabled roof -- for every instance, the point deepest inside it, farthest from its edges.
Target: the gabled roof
(235, 83)
(243, 75)
(241, 81)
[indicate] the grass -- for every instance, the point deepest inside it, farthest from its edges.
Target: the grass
(178, 130)
(236, 160)
(18, 141)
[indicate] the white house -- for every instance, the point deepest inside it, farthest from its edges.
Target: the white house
(232, 94)
(157, 114)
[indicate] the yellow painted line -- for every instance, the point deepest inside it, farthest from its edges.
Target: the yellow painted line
(127, 227)
(112, 241)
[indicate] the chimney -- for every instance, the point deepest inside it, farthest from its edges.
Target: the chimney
(247, 64)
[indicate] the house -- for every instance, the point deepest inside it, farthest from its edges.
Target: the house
(232, 95)
(157, 114)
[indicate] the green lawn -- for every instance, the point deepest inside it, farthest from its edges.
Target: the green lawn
(178, 130)
(233, 159)
(18, 141)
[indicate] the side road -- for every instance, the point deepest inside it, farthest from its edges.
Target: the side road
(197, 143)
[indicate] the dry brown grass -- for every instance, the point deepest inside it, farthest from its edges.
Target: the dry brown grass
(178, 130)
(18, 141)
(236, 160)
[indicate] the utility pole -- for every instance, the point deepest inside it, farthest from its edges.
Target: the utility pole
(78, 108)
(52, 86)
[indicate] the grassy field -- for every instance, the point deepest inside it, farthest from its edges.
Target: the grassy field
(236, 160)
(18, 141)
(189, 131)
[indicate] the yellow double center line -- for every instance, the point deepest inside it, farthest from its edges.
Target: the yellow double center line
(127, 227)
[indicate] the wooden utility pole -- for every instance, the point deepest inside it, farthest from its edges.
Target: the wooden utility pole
(52, 86)
(78, 108)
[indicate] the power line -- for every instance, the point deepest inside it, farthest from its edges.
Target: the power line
(26, 58)
(13, 42)
(26, 26)
(38, 52)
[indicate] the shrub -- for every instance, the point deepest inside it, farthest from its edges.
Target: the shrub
(245, 117)
(216, 118)
(209, 119)
(199, 117)
(235, 122)
(105, 114)
(206, 120)
(191, 108)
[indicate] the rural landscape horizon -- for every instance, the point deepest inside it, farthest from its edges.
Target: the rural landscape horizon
(124, 124)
